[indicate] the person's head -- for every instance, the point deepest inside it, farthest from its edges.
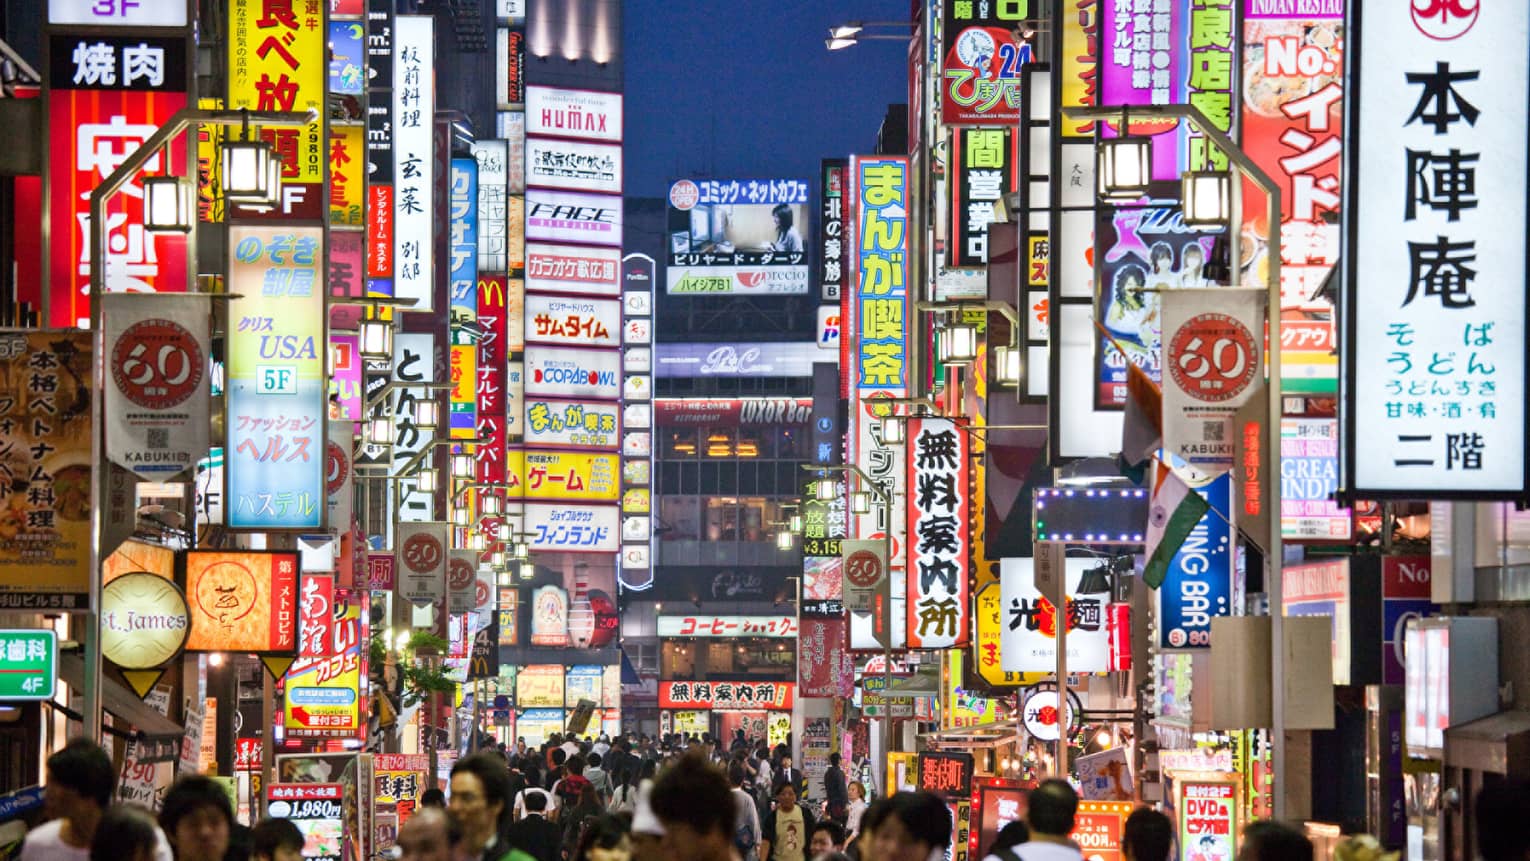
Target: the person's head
(1192, 257)
(1130, 279)
(736, 775)
(430, 834)
(595, 760)
(197, 818)
(857, 790)
(126, 832)
(915, 824)
(828, 836)
(1268, 840)
(433, 797)
(1502, 811)
(480, 786)
(834, 759)
(80, 781)
(1147, 836)
(276, 839)
(559, 756)
(1011, 835)
(692, 802)
(588, 797)
(605, 838)
(786, 795)
(1161, 256)
(783, 216)
(574, 764)
(1052, 805)
(536, 802)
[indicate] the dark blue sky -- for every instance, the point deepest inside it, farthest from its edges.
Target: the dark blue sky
(746, 89)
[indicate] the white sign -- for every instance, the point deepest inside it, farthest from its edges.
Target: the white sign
(1041, 716)
(563, 216)
(573, 373)
(421, 568)
(734, 280)
(1213, 362)
(512, 10)
(1028, 625)
(414, 163)
(583, 114)
(117, 13)
(572, 424)
(156, 400)
(828, 327)
(511, 126)
(703, 625)
(493, 157)
(574, 165)
(568, 321)
(777, 359)
(573, 269)
(1435, 272)
(573, 528)
(413, 362)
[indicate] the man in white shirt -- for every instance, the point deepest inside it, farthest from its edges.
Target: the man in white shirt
(1050, 815)
(80, 782)
(550, 808)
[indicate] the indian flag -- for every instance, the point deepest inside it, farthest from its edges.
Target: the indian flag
(1174, 510)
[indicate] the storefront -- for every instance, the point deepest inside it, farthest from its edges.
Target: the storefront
(722, 707)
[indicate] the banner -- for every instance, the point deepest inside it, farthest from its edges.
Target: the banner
(572, 424)
(157, 399)
(414, 162)
(981, 172)
(1199, 583)
(323, 691)
(461, 581)
(825, 667)
(981, 57)
(726, 695)
(277, 61)
(1213, 352)
(939, 541)
(276, 406)
(242, 601)
(1435, 400)
(347, 177)
(865, 575)
(414, 361)
(421, 552)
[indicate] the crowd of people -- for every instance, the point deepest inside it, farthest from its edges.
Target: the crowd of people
(640, 800)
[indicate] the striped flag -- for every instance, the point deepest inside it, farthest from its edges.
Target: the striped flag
(1173, 512)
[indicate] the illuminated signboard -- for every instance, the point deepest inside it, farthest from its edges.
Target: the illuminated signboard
(575, 373)
(739, 695)
(939, 543)
(737, 236)
(567, 321)
(242, 601)
(580, 114)
(573, 165)
(573, 269)
(573, 528)
(566, 216)
(573, 424)
(414, 163)
(946, 773)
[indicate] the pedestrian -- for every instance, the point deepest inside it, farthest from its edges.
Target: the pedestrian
(480, 786)
(746, 826)
(433, 797)
(690, 800)
(1148, 835)
(1011, 835)
(276, 839)
(828, 837)
(916, 825)
(126, 832)
(787, 828)
(1268, 840)
(78, 788)
(862, 846)
(429, 834)
(533, 833)
(624, 795)
(855, 809)
(1050, 813)
(836, 793)
(573, 819)
(597, 776)
(1503, 809)
(570, 788)
(787, 774)
(605, 839)
(197, 817)
(647, 831)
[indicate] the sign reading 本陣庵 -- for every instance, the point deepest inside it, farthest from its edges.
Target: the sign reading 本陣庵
(1435, 273)
(939, 541)
(414, 164)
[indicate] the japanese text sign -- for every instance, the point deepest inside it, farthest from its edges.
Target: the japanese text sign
(121, 13)
(276, 62)
(984, 168)
(462, 294)
(1142, 63)
(575, 424)
(728, 626)
(881, 197)
(946, 773)
(493, 187)
(156, 399)
(1208, 818)
(831, 239)
(737, 236)
(323, 693)
(31, 664)
(573, 269)
(573, 165)
(571, 475)
(276, 378)
(242, 601)
(347, 179)
(573, 322)
(491, 396)
(1435, 354)
(726, 695)
(414, 164)
(981, 59)
(1028, 622)
(573, 528)
(939, 541)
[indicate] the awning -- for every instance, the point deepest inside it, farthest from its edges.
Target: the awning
(120, 701)
(629, 672)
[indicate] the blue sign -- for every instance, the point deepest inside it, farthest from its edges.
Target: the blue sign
(1198, 585)
(462, 263)
(347, 63)
(881, 291)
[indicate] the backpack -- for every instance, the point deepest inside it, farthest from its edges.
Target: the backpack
(569, 790)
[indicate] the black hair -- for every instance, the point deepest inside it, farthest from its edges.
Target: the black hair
(190, 794)
(924, 815)
(536, 802)
(1160, 250)
(1011, 835)
(125, 831)
(693, 792)
(876, 812)
(491, 774)
(1052, 806)
(783, 212)
(1130, 270)
(836, 831)
(269, 835)
(1503, 808)
(559, 756)
(736, 773)
(83, 766)
(782, 784)
(834, 758)
(574, 764)
(433, 797)
(1149, 834)
(594, 760)
(649, 771)
(1269, 840)
(602, 832)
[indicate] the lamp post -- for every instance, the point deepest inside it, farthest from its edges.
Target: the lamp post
(1273, 549)
(130, 166)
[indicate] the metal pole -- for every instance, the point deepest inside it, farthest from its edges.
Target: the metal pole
(1060, 620)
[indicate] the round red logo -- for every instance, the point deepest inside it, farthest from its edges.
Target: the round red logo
(459, 574)
(481, 593)
(684, 194)
(1212, 357)
(863, 568)
(157, 364)
(336, 467)
(1444, 20)
(422, 553)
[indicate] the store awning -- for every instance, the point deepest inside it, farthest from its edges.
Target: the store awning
(122, 703)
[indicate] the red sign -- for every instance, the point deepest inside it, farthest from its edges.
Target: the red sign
(735, 696)
(92, 132)
(825, 667)
(248, 753)
(157, 364)
(493, 314)
(379, 230)
(1097, 828)
(731, 412)
(1213, 357)
(380, 571)
(946, 773)
(316, 613)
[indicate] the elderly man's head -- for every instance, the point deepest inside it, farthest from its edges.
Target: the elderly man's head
(429, 835)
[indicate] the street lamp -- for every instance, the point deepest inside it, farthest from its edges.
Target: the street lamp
(427, 414)
(379, 431)
(1206, 197)
(860, 501)
(462, 465)
(958, 342)
(825, 488)
(247, 169)
(851, 32)
(461, 516)
(489, 505)
(1006, 365)
(794, 523)
(167, 204)
(376, 339)
(1125, 166)
(425, 479)
(784, 539)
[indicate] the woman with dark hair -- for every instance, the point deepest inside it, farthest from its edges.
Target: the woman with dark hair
(605, 838)
(624, 795)
(573, 819)
(126, 832)
(788, 238)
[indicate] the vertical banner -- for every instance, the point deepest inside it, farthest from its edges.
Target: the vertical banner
(981, 172)
(414, 361)
(825, 667)
(276, 378)
(347, 178)
(1292, 127)
(1213, 361)
(939, 542)
(339, 473)
(493, 187)
(276, 62)
(380, 132)
(1210, 45)
(316, 612)
(323, 690)
(157, 395)
(1199, 581)
(489, 458)
(462, 294)
(831, 248)
(1142, 63)
(1435, 355)
(414, 171)
(421, 572)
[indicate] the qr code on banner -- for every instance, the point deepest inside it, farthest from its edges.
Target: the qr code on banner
(1212, 432)
(157, 438)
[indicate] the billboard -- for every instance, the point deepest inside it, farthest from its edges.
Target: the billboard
(1028, 622)
(581, 114)
(564, 216)
(1200, 578)
(831, 240)
(726, 695)
(731, 412)
(981, 58)
(573, 528)
(574, 165)
(940, 539)
(157, 396)
(771, 359)
(1309, 478)
(982, 171)
(568, 475)
(573, 322)
(414, 163)
(736, 236)
(573, 269)
(493, 157)
(277, 61)
(1145, 65)
(323, 691)
(242, 601)
(573, 373)
(276, 404)
(572, 424)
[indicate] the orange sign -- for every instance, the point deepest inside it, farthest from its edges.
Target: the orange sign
(242, 601)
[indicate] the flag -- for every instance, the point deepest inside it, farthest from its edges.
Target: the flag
(1173, 512)
(1142, 426)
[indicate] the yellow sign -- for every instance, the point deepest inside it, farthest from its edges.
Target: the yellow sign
(986, 651)
(516, 229)
(539, 686)
(635, 500)
(347, 172)
(209, 170)
(1079, 79)
(463, 395)
(276, 62)
(963, 708)
(134, 556)
(564, 475)
(144, 620)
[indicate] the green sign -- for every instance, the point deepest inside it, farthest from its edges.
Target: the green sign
(28, 664)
